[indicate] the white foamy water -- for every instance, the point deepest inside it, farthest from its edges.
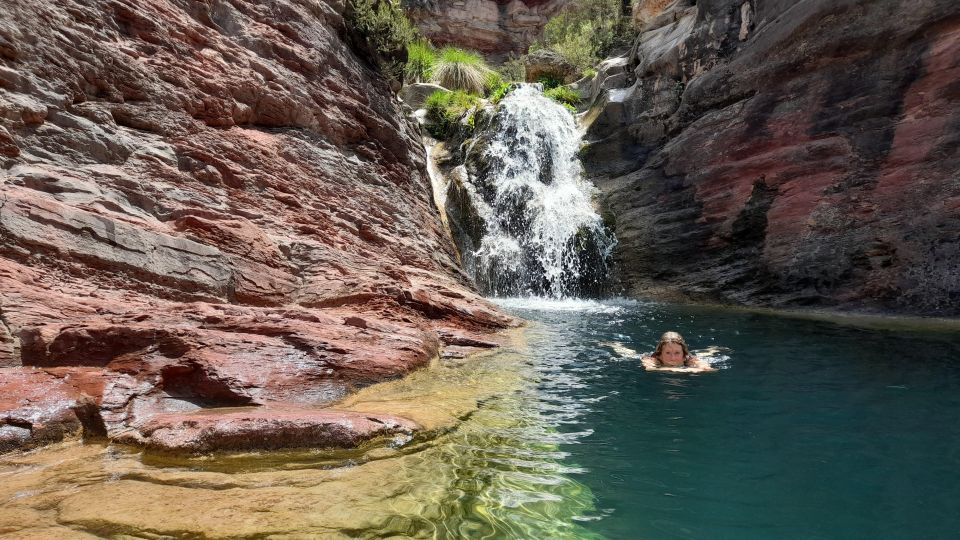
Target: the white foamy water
(539, 303)
(543, 235)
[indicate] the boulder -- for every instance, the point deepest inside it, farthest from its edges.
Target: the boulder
(545, 64)
(40, 407)
(416, 94)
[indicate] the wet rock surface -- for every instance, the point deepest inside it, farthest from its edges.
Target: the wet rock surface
(207, 206)
(785, 154)
(38, 407)
(263, 429)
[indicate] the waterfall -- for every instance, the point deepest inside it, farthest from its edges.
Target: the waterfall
(541, 233)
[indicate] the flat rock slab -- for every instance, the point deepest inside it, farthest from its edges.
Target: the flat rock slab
(264, 429)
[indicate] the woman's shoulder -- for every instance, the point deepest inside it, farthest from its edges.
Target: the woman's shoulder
(695, 363)
(692, 365)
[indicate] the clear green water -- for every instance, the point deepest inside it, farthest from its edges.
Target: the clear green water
(810, 429)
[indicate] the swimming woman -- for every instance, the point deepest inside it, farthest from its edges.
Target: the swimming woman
(673, 355)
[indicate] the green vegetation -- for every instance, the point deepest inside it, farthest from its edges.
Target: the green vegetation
(420, 61)
(564, 95)
(549, 82)
(500, 92)
(458, 69)
(589, 73)
(380, 30)
(497, 87)
(446, 108)
(494, 81)
(513, 69)
(465, 74)
(587, 30)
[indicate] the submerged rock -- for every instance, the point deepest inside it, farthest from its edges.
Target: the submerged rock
(263, 429)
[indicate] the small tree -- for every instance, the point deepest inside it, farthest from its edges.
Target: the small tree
(380, 31)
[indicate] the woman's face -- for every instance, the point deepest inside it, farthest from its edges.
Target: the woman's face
(671, 355)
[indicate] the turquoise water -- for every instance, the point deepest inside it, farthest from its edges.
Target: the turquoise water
(810, 429)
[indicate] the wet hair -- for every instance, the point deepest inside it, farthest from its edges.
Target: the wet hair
(672, 337)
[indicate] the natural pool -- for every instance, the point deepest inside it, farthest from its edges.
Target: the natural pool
(810, 429)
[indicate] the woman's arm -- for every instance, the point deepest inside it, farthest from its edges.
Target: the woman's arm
(649, 362)
(697, 364)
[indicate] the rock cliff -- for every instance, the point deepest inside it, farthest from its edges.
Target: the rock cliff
(785, 153)
(494, 27)
(209, 204)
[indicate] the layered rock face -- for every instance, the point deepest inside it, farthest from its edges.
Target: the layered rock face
(786, 153)
(209, 204)
(494, 27)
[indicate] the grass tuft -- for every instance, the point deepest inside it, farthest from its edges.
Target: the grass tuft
(458, 69)
(420, 61)
(446, 108)
(563, 94)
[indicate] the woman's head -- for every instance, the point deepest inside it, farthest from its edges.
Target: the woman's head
(671, 350)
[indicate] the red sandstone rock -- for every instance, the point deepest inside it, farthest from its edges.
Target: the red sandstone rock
(786, 154)
(44, 406)
(197, 204)
(263, 429)
(493, 27)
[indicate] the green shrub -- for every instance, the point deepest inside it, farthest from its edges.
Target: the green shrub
(420, 61)
(589, 73)
(500, 92)
(497, 88)
(379, 30)
(513, 69)
(585, 31)
(564, 95)
(446, 108)
(549, 82)
(458, 69)
(494, 81)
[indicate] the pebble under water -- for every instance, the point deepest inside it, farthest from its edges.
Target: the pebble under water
(810, 429)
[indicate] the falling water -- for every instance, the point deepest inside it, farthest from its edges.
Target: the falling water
(542, 235)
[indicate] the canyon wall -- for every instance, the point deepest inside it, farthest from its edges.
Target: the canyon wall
(785, 153)
(210, 204)
(496, 28)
